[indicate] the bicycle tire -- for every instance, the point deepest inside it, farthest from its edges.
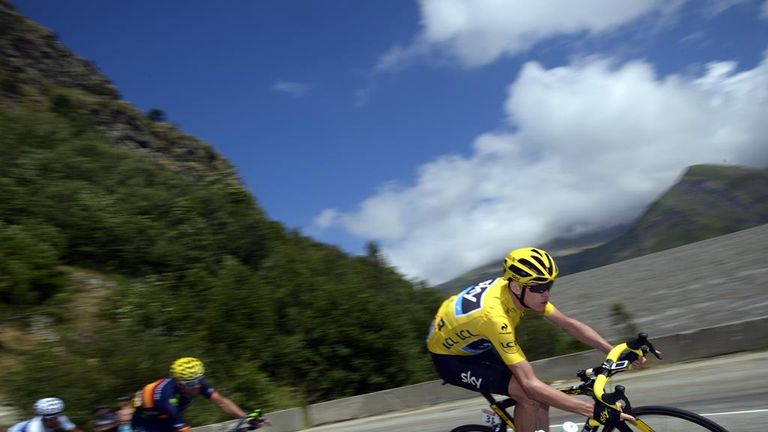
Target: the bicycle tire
(473, 428)
(654, 418)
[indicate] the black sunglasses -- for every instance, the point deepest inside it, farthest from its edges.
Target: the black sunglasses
(540, 288)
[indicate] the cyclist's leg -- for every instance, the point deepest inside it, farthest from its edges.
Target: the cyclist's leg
(529, 414)
(487, 373)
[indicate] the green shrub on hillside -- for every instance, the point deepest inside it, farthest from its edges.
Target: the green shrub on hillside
(28, 267)
(281, 320)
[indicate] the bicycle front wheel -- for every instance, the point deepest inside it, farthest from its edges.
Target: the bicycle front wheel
(472, 428)
(667, 419)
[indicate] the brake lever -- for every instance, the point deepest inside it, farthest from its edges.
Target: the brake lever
(653, 350)
(644, 344)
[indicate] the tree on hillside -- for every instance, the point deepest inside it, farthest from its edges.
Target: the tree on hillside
(156, 115)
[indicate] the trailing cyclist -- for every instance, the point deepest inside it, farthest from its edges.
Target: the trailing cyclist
(159, 405)
(473, 344)
(49, 417)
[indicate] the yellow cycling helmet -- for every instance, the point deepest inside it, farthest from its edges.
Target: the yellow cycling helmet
(187, 369)
(530, 266)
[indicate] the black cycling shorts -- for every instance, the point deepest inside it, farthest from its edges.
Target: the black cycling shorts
(484, 373)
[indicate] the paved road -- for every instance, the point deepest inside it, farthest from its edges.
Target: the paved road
(732, 390)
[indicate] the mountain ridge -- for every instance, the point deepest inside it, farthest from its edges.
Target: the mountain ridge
(37, 70)
(706, 201)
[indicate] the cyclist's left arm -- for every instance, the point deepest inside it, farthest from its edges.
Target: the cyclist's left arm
(66, 424)
(579, 330)
(227, 405)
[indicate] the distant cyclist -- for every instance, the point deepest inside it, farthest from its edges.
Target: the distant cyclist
(473, 344)
(48, 418)
(159, 405)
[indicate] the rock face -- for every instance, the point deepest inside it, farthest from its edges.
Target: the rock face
(33, 51)
(38, 71)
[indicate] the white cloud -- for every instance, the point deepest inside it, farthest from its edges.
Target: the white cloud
(698, 39)
(295, 89)
(477, 32)
(326, 218)
(716, 7)
(590, 144)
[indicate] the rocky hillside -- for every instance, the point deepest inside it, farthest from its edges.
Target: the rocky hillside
(38, 72)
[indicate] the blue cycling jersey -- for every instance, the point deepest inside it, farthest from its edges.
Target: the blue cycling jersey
(159, 406)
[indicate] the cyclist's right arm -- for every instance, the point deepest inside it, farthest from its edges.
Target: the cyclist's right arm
(175, 417)
(539, 391)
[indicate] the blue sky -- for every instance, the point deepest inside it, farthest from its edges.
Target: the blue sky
(449, 131)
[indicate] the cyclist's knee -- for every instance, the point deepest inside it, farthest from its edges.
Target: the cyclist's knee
(522, 400)
(532, 405)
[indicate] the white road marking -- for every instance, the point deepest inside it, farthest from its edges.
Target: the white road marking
(703, 415)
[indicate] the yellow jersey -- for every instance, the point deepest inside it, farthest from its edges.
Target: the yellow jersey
(477, 319)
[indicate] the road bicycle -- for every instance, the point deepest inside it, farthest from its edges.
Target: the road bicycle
(652, 418)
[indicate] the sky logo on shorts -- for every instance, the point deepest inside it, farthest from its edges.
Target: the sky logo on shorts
(469, 379)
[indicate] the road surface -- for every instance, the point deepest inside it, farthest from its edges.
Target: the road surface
(732, 390)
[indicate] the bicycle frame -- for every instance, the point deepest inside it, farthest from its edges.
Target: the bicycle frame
(500, 408)
(593, 384)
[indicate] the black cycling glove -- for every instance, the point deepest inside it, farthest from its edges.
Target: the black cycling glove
(606, 414)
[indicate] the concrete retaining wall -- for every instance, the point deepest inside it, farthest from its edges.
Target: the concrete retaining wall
(695, 344)
(288, 420)
(702, 343)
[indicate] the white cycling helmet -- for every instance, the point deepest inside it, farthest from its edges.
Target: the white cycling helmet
(49, 406)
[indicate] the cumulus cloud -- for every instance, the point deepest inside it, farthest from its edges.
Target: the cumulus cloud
(326, 218)
(477, 32)
(584, 146)
(295, 89)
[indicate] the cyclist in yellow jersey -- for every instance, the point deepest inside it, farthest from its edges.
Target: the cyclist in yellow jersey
(473, 344)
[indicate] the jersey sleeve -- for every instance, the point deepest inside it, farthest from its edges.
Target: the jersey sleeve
(206, 390)
(501, 333)
(66, 424)
(18, 427)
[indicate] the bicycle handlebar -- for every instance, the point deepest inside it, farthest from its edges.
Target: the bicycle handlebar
(615, 362)
(250, 421)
